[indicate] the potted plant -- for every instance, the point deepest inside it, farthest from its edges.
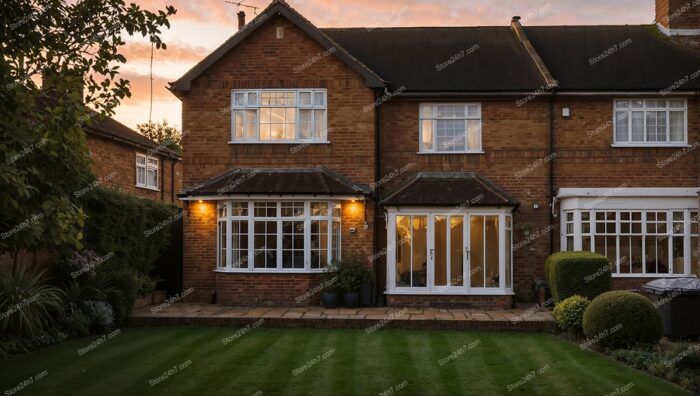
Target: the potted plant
(329, 282)
(352, 273)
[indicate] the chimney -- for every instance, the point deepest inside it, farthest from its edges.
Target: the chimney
(679, 19)
(241, 20)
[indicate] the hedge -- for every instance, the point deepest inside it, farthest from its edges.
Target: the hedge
(585, 274)
(127, 232)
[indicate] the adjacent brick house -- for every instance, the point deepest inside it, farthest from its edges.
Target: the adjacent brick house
(455, 159)
(127, 161)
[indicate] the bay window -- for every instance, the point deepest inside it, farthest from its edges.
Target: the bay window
(450, 127)
(278, 116)
(639, 122)
(449, 251)
(295, 236)
(639, 242)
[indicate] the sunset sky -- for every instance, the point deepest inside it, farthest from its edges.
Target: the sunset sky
(200, 26)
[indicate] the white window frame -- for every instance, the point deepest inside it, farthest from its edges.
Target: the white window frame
(258, 105)
(146, 166)
(645, 109)
(434, 118)
(667, 238)
(465, 288)
(333, 216)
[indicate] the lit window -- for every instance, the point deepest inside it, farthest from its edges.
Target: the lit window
(278, 232)
(275, 116)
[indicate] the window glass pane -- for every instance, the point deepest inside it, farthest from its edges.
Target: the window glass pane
(304, 98)
(319, 99)
(305, 124)
(152, 162)
(474, 134)
(473, 111)
(319, 209)
(239, 242)
(622, 104)
(694, 263)
(238, 125)
(141, 176)
(336, 210)
(631, 253)
(451, 135)
(265, 209)
(426, 111)
(440, 277)
(477, 254)
(152, 178)
(637, 104)
(427, 131)
(222, 211)
(321, 131)
(656, 126)
(293, 244)
(239, 99)
(678, 251)
(221, 227)
(456, 250)
(677, 125)
(140, 159)
(252, 98)
(509, 247)
(250, 123)
(335, 241)
(451, 111)
(656, 255)
(239, 208)
(655, 104)
(492, 263)
(419, 264)
(637, 126)
(265, 244)
(622, 126)
(677, 104)
(290, 124)
(292, 209)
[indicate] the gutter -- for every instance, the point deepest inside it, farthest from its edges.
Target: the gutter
(379, 293)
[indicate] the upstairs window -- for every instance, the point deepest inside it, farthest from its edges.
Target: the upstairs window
(450, 127)
(146, 171)
(278, 116)
(651, 122)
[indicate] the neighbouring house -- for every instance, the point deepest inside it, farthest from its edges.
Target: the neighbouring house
(456, 159)
(126, 160)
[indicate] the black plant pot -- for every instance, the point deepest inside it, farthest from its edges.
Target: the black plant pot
(329, 299)
(351, 299)
(366, 294)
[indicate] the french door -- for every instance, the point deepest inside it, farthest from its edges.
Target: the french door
(440, 251)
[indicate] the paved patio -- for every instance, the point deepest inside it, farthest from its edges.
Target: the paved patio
(523, 319)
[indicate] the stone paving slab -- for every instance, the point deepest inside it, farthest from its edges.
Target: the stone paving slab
(525, 319)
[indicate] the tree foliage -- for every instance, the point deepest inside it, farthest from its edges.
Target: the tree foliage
(165, 135)
(75, 47)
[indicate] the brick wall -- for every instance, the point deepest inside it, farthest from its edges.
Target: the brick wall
(263, 61)
(678, 14)
(114, 164)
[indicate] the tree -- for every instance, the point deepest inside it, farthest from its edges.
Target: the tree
(75, 49)
(165, 135)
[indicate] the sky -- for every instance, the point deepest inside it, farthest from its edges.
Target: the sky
(200, 26)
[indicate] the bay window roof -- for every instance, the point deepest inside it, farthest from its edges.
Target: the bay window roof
(448, 189)
(318, 181)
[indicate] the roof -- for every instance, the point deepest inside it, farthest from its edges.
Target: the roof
(306, 181)
(614, 57)
(112, 129)
(278, 7)
(461, 189)
(444, 58)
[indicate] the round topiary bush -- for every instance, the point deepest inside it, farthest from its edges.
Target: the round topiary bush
(569, 313)
(620, 319)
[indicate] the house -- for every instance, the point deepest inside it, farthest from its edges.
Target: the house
(455, 158)
(126, 160)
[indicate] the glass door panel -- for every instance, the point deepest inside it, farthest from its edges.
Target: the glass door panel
(485, 256)
(411, 251)
(457, 250)
(440, 250)
(476, 244)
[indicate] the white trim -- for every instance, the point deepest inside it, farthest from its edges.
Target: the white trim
(449, 292)
(644, 109)
(665, 192)
(147, 167)
(277, 197)
(677, 32)
(434, 120)
(657, 145)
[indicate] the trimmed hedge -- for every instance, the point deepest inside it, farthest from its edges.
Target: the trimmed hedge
(622, 319)
(132, 231)
(585, 274)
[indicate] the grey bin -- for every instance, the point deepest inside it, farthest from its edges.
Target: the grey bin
(678, 301)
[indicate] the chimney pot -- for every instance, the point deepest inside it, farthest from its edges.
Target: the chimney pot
(241, 20)
(516, 18)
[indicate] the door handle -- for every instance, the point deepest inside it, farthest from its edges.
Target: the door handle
(467, 253)
(432, 252)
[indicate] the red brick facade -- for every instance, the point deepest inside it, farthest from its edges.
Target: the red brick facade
(514, 136)
(679, 15)
(114, 165)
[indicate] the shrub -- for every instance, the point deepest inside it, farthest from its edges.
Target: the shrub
(13, 345)
(585, 274)
(122, 295)
(75, 324)
(620, 319)
(100, 315)
(640, 360)
(678, 365)
(569, 313)
(352, 273)
(27, 302)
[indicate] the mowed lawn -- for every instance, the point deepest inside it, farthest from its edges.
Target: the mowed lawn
(141, 361)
